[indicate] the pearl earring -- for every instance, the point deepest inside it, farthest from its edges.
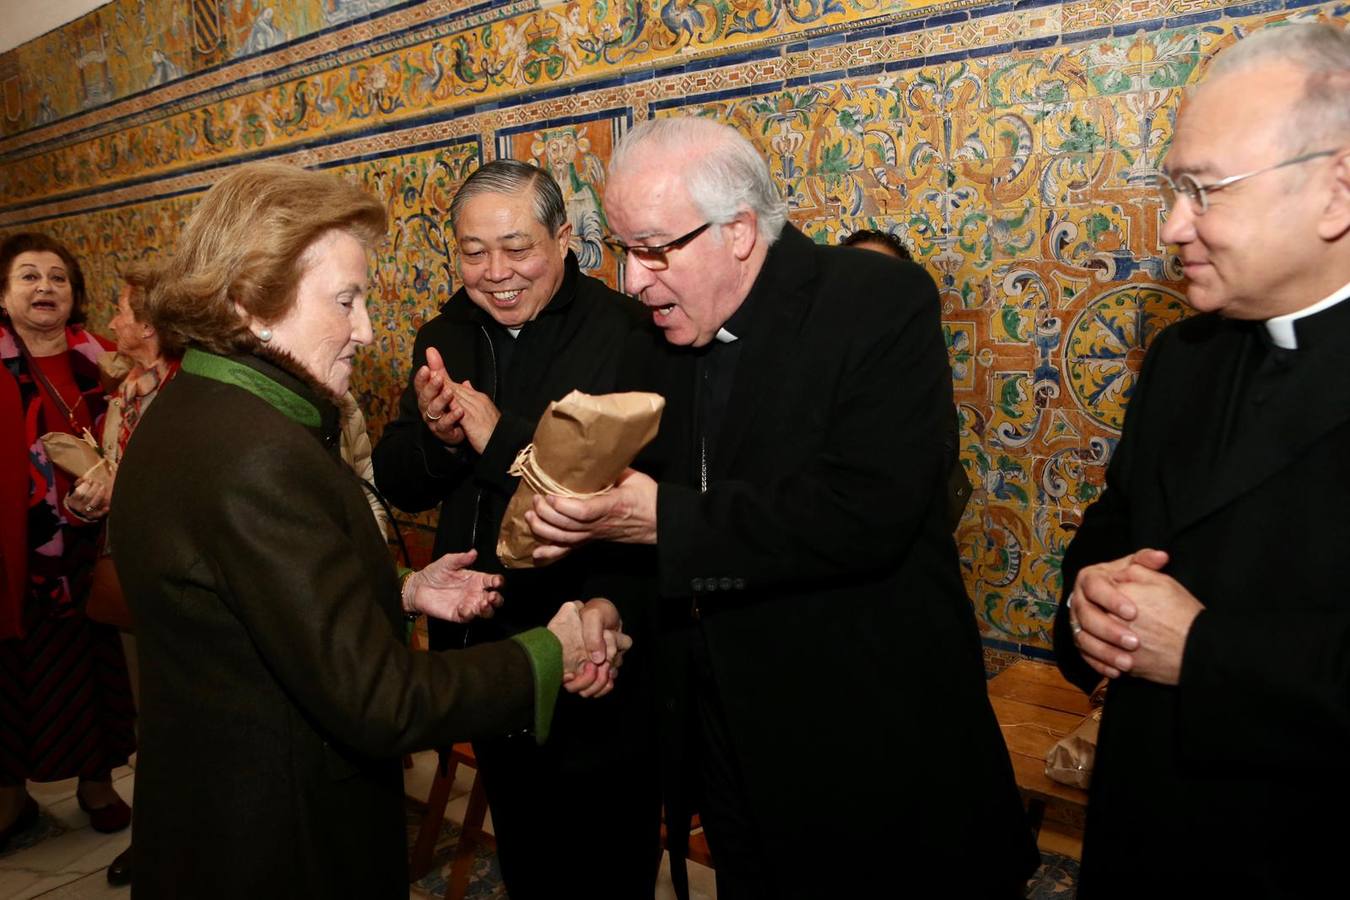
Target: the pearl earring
(265, 335)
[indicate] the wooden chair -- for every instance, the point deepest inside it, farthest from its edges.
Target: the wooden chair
(470, 836)
(1035, 707)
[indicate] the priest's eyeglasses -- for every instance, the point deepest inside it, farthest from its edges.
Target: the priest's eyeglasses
(653, 258)
(1185, 185)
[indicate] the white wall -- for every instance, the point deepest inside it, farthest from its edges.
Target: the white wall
(23, 20)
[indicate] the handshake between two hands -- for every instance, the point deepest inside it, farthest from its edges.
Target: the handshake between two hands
(591, 633)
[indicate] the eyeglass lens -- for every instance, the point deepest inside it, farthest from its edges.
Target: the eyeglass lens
(1181, 186)
(652, 258)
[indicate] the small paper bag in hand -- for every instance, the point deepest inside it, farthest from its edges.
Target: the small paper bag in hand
(1070, 760)
(581, 446)
(113, 369)
(75, 456)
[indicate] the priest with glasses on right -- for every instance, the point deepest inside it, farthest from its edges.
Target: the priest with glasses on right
(1208, 583)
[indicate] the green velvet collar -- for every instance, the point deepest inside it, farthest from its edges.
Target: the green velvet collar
(281, 398)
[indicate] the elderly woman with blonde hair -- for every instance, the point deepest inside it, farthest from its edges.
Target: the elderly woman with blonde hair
(277, 692)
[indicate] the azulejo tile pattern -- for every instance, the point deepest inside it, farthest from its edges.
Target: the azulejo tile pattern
(129, 46)
(1011, 145)
(540, 47)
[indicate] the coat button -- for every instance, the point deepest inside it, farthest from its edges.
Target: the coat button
(738, 584)
(725, 584)
(696, 584)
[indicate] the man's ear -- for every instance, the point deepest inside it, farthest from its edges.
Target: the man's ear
(1334, 223)
(563, 237)
(744, 233)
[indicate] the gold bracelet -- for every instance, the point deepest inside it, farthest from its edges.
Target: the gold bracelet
(411, 616)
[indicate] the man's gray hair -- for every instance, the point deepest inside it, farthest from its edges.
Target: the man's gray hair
(723, 172)
(1321, 120)
(511, 177)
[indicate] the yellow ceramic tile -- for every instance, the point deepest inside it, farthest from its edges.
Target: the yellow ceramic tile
(1020, 180)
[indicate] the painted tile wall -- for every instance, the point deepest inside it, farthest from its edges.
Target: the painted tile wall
(1010, 144)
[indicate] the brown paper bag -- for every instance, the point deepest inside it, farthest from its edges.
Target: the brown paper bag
(113, 369)
(581, 446)
(107, 603)
(1070, 760)
(76, 456)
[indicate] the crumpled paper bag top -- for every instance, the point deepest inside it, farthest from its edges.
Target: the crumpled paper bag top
(583, 443)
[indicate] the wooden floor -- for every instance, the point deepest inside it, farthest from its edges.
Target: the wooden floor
(1036, 707)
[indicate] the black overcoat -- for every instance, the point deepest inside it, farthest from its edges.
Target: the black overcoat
(844, 647)
(574, 343)
(1233, 783)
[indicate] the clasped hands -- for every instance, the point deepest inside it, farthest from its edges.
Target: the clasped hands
(453, 411)
(591, 633)
(1129, 617)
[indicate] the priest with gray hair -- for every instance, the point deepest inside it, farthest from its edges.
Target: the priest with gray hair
(804, 579)
(1207, 583)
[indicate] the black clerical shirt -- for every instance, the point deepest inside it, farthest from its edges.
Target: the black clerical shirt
(716, 373)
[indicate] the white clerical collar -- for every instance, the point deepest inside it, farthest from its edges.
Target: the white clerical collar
(725, 336)
(1281, 328)
(515, 332)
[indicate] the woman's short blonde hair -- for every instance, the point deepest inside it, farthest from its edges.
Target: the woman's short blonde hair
(244, 245)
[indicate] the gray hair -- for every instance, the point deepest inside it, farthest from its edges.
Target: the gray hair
(723, 172)
(511, 176)
(1323, 51)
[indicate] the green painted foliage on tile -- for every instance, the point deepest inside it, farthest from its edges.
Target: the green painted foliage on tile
(1020, 180)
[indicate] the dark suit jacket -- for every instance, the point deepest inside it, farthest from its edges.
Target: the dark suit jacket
(277, 693)
(845, 649)
(575, 343)
(1218, 786)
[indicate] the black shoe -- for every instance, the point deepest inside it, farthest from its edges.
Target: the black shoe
(119, 872)
(107, 819)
